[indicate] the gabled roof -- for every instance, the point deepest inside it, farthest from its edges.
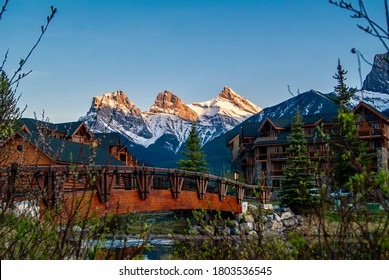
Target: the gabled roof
(64, 151)
(362, 104)
(107, 140)
(69, 128)
(70, 152)
(250, 129)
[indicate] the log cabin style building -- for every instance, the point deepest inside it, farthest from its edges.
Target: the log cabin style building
(45, 143)
(259, 150)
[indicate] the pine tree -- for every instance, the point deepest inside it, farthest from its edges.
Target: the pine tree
(350, 154)
(195, 157)
(9, 111)
(295, 187)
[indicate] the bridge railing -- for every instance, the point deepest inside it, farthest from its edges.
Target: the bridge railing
(52, 183)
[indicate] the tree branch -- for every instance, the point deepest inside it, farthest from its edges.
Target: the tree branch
(17, 76)
(3, 8)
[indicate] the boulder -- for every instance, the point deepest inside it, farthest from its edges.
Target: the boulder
(253, 233)
(246, 227)
(286, 215)
(209, 230)
(270, 217)
(276, 225)
(233, 224)
(299, 218)
(276, 217)
(234, 231)
(249, 219)
(289, 222)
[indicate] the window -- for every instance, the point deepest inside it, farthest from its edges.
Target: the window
(376, 144)
(375, 128)
(19, 148)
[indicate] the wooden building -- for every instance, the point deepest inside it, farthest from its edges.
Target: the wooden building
(45, 143)
(259, 150)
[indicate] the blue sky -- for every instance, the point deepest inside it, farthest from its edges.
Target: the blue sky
(192, 48)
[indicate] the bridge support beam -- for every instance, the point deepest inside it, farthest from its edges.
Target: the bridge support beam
(222, 187)
(176, 182)
(102, 186)
(239, 194)
(202, 184)
(144, 180)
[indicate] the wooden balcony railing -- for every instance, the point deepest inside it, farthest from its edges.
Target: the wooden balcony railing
(283, 155)
(371, 132)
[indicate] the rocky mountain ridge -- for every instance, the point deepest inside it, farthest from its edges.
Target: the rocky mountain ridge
(169, 119)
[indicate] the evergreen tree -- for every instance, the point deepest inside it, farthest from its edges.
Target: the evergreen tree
(195, 157)
(9, 111)
(295, 187)
(350, 154)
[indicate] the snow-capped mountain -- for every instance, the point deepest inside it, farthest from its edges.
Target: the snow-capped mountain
(169, 119)
(378, 78)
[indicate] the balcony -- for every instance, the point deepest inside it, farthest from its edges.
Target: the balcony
(262, 157)
(277, 173)
(280, 156)
(371, 132)
(266, 138)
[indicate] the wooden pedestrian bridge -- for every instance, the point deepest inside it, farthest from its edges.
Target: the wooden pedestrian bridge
(120, 190)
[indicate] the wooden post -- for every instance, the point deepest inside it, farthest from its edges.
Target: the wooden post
(202, 185)
(10, 189)
(176, 182)
(239, 194)
(102, 187)
(49, 191)
(145, 183)
(222, 187)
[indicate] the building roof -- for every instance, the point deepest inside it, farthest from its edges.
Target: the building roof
(62, 150)
(250, 129)
(107, 140)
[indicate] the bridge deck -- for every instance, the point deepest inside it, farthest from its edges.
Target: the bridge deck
(119, 190)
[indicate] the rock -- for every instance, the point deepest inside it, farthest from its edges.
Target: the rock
(287, 209)
(249, 219)
(253, 233)
(270, 217)
(289, 222)
(286, 215)
(246, 227)
(169, 103)
(209, 230)
(276, 217)
(220, 230)
(299, 218)
(276, 225)
(234, 231)
(233, 224)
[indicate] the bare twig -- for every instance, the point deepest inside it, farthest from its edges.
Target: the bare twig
(3, 8)
(18, 75)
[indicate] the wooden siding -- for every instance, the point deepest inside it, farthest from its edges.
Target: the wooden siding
(129, 201)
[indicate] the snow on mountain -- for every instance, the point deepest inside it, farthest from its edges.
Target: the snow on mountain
(168, 118)
(115, 112)
(378, 78)
(378, 100)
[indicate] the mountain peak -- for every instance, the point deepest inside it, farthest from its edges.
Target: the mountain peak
(117, 100)
(378, 78)
(168, 103)
(238, 101)
(228, 93)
